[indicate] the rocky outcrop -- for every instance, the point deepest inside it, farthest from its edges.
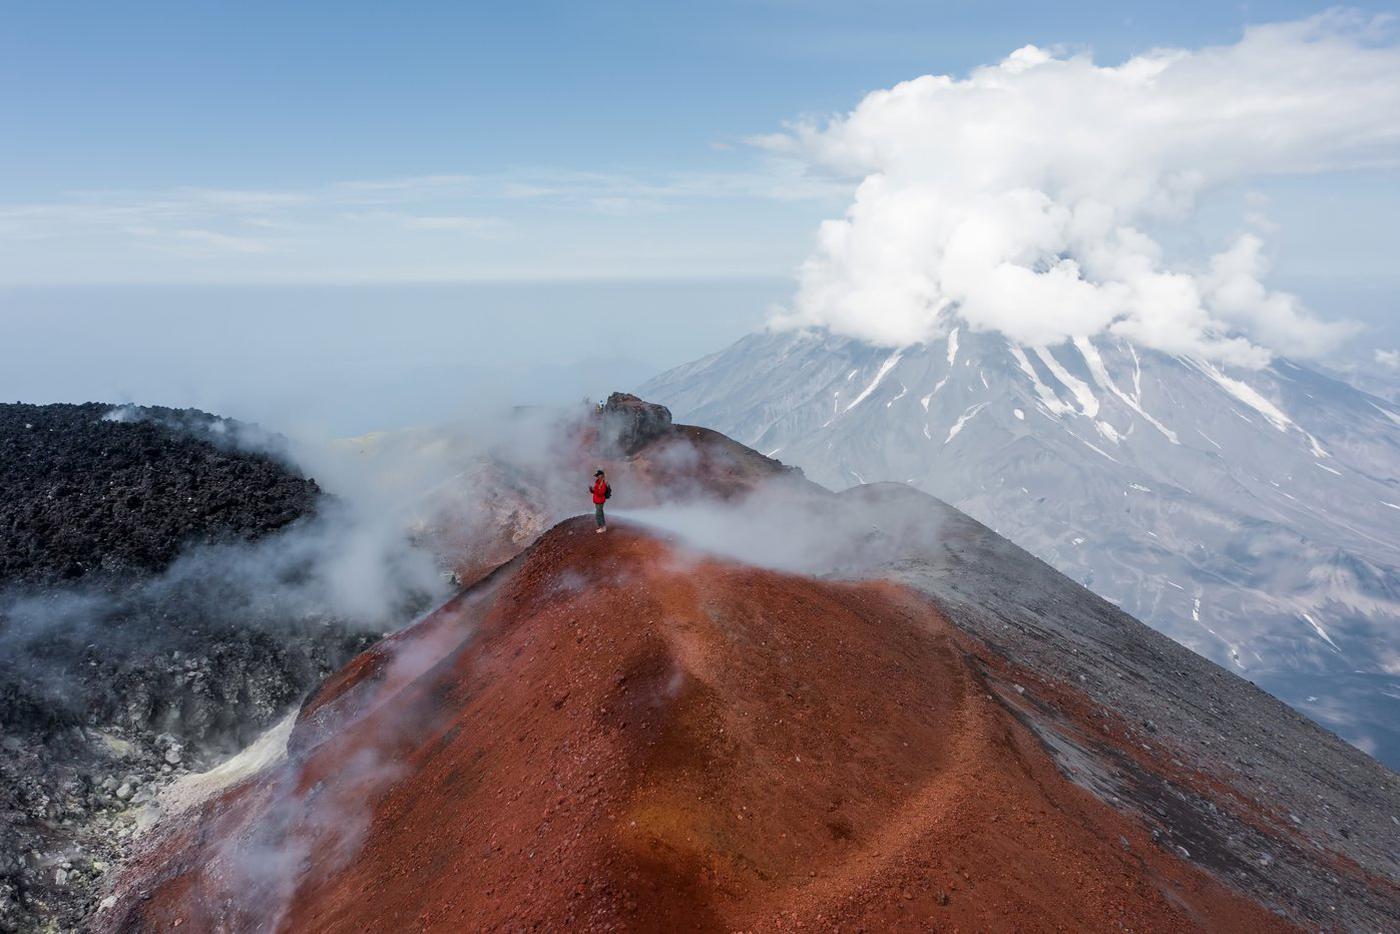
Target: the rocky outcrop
(71, 802)
(629, 423)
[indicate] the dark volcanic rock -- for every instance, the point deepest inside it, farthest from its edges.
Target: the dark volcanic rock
(629, 423)
(98, 503)
(92, 489)
(142, 630)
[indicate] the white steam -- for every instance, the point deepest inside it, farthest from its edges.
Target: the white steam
(1019, 198)
(797, 529)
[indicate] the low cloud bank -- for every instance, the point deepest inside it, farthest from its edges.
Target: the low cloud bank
(1018, 199)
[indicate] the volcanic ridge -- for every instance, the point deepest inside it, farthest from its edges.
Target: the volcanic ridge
(628, 735)
(624, 732)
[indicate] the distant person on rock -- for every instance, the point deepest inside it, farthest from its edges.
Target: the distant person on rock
(601, 491)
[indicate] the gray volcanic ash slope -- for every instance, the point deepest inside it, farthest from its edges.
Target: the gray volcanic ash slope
(1253, 516)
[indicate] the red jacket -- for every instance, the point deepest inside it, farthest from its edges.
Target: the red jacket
(600, 491)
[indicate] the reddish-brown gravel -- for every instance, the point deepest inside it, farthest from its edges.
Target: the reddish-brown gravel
(613, 734)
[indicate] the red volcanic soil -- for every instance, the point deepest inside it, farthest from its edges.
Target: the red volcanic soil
(613, 734)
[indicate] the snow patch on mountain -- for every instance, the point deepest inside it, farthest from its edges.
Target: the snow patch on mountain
(1088, 402)
(1096, 366)
(1048, 399)
(1246, 394)
(963, 420)
(890, 363)
(1320, 631)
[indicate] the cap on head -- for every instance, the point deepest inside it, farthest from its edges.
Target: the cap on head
(597, 473)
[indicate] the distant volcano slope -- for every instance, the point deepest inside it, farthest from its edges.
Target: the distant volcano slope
(616, 733)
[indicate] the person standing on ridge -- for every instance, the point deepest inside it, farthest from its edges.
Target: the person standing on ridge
(601, 491)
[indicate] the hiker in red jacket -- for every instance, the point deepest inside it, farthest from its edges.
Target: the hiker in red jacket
(601, 491)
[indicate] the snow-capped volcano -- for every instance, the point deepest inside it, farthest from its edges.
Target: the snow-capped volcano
(1253, 515)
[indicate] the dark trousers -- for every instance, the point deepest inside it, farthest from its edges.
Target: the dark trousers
(598, 514)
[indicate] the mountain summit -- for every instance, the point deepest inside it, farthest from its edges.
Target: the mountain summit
(916, 723)
(1251, 515)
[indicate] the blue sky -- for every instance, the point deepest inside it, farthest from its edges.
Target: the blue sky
(527, 140)
(145, 94)
(242, 144)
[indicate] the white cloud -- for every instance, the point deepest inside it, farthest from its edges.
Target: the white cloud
(467, 224)
(241, 199)
(1018, 198)
(535, 222)
(480, 226)
(1388, 358)
(198, 242)
(411, 186)
(1278, 320)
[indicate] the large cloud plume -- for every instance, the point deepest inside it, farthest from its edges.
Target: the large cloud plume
(1022, 198)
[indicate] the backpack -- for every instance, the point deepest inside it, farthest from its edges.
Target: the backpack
(607, 491)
